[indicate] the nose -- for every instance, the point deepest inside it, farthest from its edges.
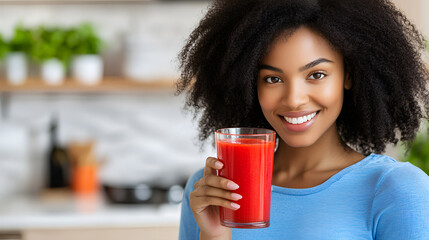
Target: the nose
(295, 94)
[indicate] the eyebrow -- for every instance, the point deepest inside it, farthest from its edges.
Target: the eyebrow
(314, 63)
(301, 69)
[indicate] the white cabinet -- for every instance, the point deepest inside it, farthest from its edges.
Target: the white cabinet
(65, 217)
(146, 233)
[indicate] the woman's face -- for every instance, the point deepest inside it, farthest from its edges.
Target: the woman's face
(300, 87)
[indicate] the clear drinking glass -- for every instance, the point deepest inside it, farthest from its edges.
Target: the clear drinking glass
(247, 155)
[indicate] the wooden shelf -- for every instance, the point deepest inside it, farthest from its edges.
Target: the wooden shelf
(107, 85)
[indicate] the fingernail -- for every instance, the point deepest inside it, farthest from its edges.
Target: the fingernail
(232, 186)
(235, 205)
(218, 164)
(236, 196)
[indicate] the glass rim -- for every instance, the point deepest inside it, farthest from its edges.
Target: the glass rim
(269, 132)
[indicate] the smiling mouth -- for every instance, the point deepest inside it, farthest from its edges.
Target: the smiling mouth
(300, 120)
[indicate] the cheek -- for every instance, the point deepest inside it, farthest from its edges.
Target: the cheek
(268, 99)
(332, 96)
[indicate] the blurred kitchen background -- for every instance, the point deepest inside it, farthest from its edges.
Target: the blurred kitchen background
(101, 152)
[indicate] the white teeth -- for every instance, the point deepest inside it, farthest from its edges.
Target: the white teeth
(300, 120)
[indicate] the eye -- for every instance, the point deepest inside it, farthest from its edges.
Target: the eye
(317, 76)
(272, 80)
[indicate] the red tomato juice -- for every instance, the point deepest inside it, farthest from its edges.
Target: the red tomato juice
(249, 163)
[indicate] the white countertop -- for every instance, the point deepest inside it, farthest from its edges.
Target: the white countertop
(65, 210)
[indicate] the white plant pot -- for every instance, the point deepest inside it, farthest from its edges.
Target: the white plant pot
(16, 68)
(53, 72)
(87, 69)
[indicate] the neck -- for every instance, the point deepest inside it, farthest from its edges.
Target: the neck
(324, 155)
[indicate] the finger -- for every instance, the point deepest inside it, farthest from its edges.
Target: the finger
(216, 192)
(212, 164)
(218, 182)
(196, 184)
(201, 203)
(199, 183)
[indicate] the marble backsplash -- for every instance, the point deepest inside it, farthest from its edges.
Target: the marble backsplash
(140, 137)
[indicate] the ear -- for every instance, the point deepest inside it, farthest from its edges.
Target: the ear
(347, 82)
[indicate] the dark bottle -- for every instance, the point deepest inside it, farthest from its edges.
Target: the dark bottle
(58, 162)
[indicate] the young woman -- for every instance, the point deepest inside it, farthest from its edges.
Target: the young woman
(337, 80)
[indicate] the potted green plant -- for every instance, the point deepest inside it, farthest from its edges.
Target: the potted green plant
(18, 48)
(3, 47)
(86, 45)
(51, 51)
(418, 154)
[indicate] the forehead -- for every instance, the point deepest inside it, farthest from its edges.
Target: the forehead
(300, 46)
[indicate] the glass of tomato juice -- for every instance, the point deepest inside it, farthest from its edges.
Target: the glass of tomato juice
(247, 155)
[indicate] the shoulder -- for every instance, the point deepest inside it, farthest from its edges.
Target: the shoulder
(401, 201)
(386, 167)
(401, 178)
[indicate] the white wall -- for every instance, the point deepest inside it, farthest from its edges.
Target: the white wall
(417, 11)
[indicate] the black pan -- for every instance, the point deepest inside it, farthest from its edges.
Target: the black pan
(143, 194)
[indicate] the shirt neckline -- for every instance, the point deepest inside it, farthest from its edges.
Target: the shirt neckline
(326, 184)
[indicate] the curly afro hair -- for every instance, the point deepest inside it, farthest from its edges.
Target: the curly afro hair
(382, 54)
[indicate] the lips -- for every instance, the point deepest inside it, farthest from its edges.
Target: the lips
(299, 121)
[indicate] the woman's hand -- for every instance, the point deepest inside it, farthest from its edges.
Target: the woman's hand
(210, 192)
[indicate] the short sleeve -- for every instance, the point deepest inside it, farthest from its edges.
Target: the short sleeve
(401, 205)
(188, 226)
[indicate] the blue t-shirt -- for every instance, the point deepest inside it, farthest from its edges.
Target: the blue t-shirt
(376, 198)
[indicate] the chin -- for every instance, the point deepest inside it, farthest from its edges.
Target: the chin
(298, 141)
